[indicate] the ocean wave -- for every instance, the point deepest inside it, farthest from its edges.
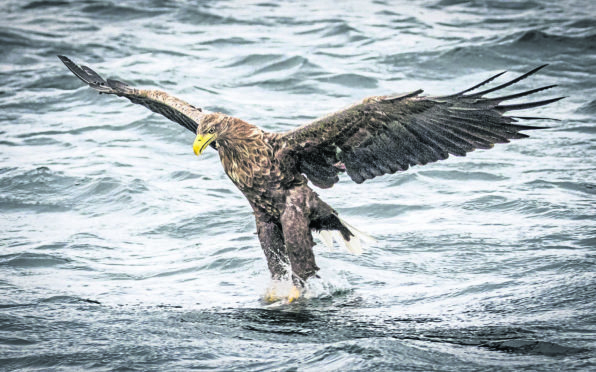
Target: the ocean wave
(33, 183)
(254, 59)
(202, 15)
(553, 42)
(341, 28)
(588, 108)
(507, 51)
(32, 260)
(383, 210)
(286, 63)
(580, 187)
(111, 11)
(227, 41)
(517, 5)
(194, 227)
(535, 347)
(67, 300)
(587, 23)
(462, 175)
(13, 37)
(16, 341)
(44, 4)
(16, 203)
(350, 80)
(45, 189)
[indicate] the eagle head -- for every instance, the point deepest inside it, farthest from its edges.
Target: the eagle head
(223, 131)
(212, 127)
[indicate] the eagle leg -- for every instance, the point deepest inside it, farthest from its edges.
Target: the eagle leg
(272, 242)
(299, 242)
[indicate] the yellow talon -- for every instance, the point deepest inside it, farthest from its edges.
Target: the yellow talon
(271, 296)
(294, 294)
(275, 293)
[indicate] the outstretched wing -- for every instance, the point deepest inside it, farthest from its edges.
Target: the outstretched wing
(387, 134)
(157, 101)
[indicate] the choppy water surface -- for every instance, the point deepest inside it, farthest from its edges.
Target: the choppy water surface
(122, 250)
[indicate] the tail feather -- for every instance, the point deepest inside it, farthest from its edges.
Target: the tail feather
(351, 241)
(327, 238)
(358, 233)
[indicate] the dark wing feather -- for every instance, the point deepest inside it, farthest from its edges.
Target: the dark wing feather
(157, 101)
(387, 134)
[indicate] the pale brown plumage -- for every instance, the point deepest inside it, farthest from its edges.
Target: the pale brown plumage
(379, 135)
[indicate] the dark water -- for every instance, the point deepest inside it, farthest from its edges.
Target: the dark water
(120, 250)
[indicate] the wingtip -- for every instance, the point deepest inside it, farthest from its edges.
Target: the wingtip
(558, 99)
(511, 82)
(476, 86)
(535, 118)
(535, 70)
(526, 105)
(67, 61)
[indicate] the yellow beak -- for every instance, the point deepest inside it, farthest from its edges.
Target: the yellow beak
(201, 142)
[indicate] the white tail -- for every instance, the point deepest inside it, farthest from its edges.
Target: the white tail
(353, 245)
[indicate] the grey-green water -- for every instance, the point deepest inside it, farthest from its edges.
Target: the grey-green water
(120, 250)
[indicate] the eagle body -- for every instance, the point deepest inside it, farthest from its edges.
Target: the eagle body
(285, 208)
(376, 136)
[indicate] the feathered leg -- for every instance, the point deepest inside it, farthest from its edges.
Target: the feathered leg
(272, 242)
(298, 239)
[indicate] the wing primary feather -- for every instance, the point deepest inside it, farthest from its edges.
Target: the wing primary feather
(92, 75)
(372, 149)
(459, 139)
(87, 75)
(518, 95)
(476, 86)
(527, 105)
(400, 97)
(366, 174)
(434, 136)
(511, 82)
(438, 152)
(534, 118)
(482, 139)
(358, 165)
(352, 171)
(379, 164)
(368, 167)
(120, 86)
(494, 131)
(399, 155)
(416, 153)
(490, 133)
(387, 151)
